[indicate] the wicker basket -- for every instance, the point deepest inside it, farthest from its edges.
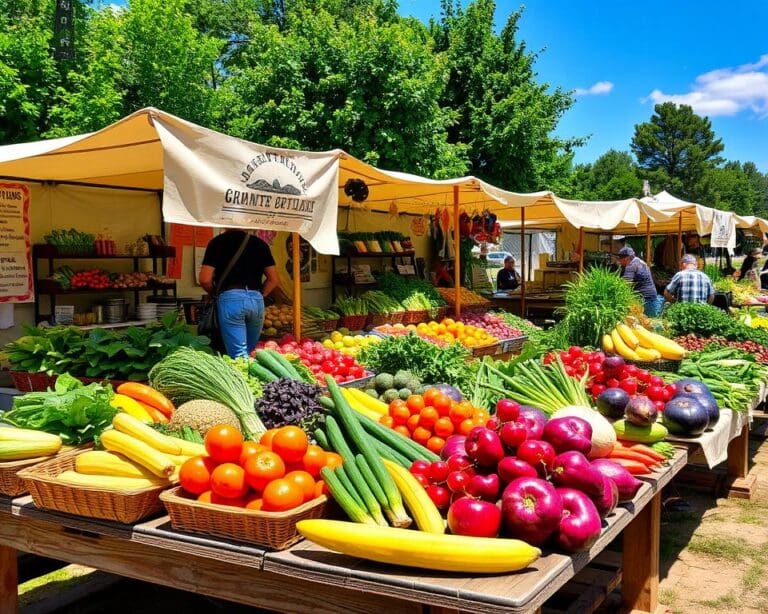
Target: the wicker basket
(48, 494)
(32, 382)
(10, 482)
(275, 530)
(414, 317)
(329, 326)
(442, 312)
(353, 322)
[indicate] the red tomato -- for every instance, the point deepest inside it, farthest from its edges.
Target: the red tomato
(328, 366)
(629, 384)
(348, 360)
(655, 393)
(643, 376)
(357, 371)
(656, 381)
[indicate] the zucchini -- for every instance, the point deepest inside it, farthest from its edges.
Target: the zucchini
(266, 359)
(400, 444)
(641, 434)
(362, 441)
(362, 465)
(343, 477)
(338, 443)
(322, 439)
(285, 364)
(352, 508)
(260, 372)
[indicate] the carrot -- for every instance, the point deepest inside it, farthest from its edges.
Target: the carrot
(633, 466)
(147, 394)
(154, 413)
(649, 451)
(622, 452)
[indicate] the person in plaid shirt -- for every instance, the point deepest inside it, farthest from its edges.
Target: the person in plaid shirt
(689, 285)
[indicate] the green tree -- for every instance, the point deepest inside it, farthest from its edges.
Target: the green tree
(503, 115)
(675, 149)
(731, 189)
(359, 83)
(613, 176)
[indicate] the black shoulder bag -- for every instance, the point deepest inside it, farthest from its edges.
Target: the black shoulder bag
(208, 322)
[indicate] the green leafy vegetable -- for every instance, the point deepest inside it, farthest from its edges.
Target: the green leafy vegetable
(73, 411)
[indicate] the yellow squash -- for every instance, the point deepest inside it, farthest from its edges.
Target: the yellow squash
(190, 448)
(101, 462)
(627, 335)
(647, 354)
(139, 452)
(419, 549)
(423, 510)
(356, 405)
(380, 407)
(131, 407)
(668, 348)
(109, 482)
(608, 344)
(126, 423)
(21, 444)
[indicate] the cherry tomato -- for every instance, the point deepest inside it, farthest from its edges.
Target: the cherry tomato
(656, 381)
(597, 389)
(655, 393)
(440, 496)
(629, 385)
(643, 376)
(575, 351)
(659, 405)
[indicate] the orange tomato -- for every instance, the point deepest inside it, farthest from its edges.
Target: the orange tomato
(263, 468)
(266, 438)
(231, 501)
(412, 422)
(435, 444)
(429, 396)
(314, 460)
(399, 413)
(415, 403)
(254, 503)
(387, 421)
(291, 443)
(224, 443)
(195, 474)
(280, 495)
(458, 412)
(442, 403)
(303, 480)
(428, 417)
(332, 459)
(421, 435)
(205, 497)
(250, 448)
(443, 427)
(320, 488)
(394, 406)
(228, 481)
(466, 426)
(404, 430)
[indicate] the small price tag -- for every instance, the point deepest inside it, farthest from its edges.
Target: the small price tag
(406, 269)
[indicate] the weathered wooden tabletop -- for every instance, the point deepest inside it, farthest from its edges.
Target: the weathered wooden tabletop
(307, 578)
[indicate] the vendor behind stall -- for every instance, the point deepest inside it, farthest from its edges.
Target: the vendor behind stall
(507, 278)
(637, 273)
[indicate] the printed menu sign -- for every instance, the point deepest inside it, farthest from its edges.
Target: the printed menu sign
(15, 248)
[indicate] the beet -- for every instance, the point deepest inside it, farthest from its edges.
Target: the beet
(641, 411)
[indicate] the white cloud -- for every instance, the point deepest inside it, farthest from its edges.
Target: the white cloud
(598, 89)
(725, 91)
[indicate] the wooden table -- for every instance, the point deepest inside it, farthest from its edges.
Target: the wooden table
(537, 305)
(307, 578)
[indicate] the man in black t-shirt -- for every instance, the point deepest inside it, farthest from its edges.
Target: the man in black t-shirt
(241, 296)
(507, 278)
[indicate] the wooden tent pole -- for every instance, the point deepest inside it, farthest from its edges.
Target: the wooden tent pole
(296, 257)
(457, 251)
(522, 262)
(648, 255)
(581, 249)
(679, 236)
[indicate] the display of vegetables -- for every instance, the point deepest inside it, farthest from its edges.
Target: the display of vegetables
(380, 303)
(638, 344)
(288, 401)
(351, 306)
(188, 374)
(492, 323)
(21, 444)
(318, 359)
(349, 344)
(71, 241)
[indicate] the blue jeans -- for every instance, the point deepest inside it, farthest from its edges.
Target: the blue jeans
(241, 318)
(653, 306)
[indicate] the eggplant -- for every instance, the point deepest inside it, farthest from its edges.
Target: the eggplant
(612, 402)
(686, 416)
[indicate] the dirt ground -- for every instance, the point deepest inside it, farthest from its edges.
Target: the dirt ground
(714, 556)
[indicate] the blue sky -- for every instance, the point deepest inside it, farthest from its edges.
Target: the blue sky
(624, 56)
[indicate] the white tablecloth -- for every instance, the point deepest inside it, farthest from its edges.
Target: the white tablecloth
(714, 443)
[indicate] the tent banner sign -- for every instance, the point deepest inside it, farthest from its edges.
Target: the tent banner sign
(217, 180)
(723, 230)
(15, 246)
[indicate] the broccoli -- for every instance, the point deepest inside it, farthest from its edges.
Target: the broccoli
(402, 378)
(389, 395)
(384, 381)
(405, 393)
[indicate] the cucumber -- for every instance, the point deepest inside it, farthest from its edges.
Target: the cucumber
(267, 360)
(343, 477)
(386, 452)
(641, 434)
(262, 373)
(285, 364)
(362, 465)
(322, 439)
(351, 507)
